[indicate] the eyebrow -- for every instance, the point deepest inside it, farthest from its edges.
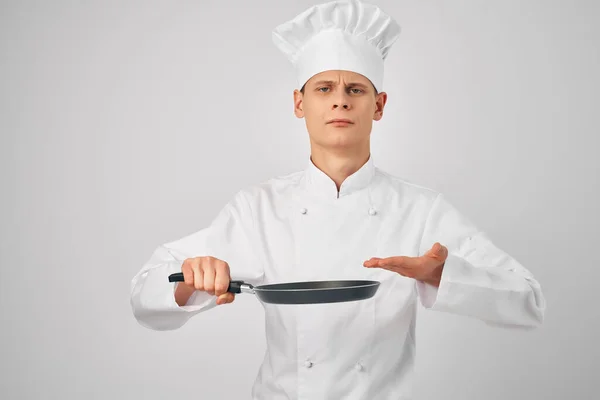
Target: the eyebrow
(333, 83)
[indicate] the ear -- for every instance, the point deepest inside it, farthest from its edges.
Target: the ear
(379, 105)
(298, 99)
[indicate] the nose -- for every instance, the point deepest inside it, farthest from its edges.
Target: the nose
(341, 99)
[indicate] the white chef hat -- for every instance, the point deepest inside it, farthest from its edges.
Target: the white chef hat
(339, 35)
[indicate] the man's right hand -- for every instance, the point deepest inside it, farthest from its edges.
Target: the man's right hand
(207, 274)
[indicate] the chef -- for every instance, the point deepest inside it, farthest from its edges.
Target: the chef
(341, 217)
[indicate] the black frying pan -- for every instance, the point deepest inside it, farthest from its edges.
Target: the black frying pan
(309, 292)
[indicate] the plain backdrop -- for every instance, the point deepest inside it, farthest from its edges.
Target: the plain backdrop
(125, 125)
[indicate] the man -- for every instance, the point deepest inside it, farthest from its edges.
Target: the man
(340, 218)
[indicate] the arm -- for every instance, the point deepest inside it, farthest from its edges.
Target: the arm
(478, 279)
(230, 237)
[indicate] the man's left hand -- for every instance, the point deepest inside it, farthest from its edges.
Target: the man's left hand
(426, 268)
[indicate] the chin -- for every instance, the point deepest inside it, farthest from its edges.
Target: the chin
(338, 137)
(340, 141)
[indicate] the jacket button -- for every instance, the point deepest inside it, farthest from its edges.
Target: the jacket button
(372, 211)
(308, 363)
(303, 210)
(359, 367)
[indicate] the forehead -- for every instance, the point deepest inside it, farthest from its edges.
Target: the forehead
(339, 76)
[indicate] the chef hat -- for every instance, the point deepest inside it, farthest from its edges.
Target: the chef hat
(339, 35)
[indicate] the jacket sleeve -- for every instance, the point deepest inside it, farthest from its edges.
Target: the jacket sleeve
(478, 279)
(230, 237)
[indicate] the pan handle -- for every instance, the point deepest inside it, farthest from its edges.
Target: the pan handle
(234, 286)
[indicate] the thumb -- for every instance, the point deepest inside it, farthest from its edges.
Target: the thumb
(438, 250)
(225, 298)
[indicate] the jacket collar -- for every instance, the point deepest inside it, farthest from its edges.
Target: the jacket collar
(317, 183)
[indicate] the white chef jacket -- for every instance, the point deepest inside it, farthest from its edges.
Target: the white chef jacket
(295, 228)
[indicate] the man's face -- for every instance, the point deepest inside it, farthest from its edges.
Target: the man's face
(334, 95)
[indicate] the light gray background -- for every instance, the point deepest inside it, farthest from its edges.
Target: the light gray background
(128, 124)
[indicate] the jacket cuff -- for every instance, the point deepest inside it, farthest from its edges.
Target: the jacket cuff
(455, 270)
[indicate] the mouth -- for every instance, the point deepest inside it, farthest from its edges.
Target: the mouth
(340, 121)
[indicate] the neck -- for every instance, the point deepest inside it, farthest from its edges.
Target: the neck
(339, 165)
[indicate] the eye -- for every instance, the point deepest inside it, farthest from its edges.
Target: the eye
(359, 90)
(319, 89)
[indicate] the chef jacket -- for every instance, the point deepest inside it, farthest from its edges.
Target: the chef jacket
(298, 227)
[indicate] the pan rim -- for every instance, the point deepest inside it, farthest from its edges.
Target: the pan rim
(366, 283)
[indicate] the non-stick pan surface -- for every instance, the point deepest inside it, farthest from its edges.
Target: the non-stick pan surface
(306, 292)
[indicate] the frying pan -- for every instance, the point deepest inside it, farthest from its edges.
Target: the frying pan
(306, 292)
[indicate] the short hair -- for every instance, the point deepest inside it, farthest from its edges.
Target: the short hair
(376, 92)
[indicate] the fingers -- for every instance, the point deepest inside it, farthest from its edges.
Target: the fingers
(188, 273)
(372, 262)
(393, 262)
(210, 275)
(222, 277)
(192, 273)
(403, 265)
(198, 275)
(382, 263)
(437, 251)
(400, 261)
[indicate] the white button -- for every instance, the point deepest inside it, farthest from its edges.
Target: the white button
(303, 210)
(308, 363)
(372, 211)
(359, 367)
